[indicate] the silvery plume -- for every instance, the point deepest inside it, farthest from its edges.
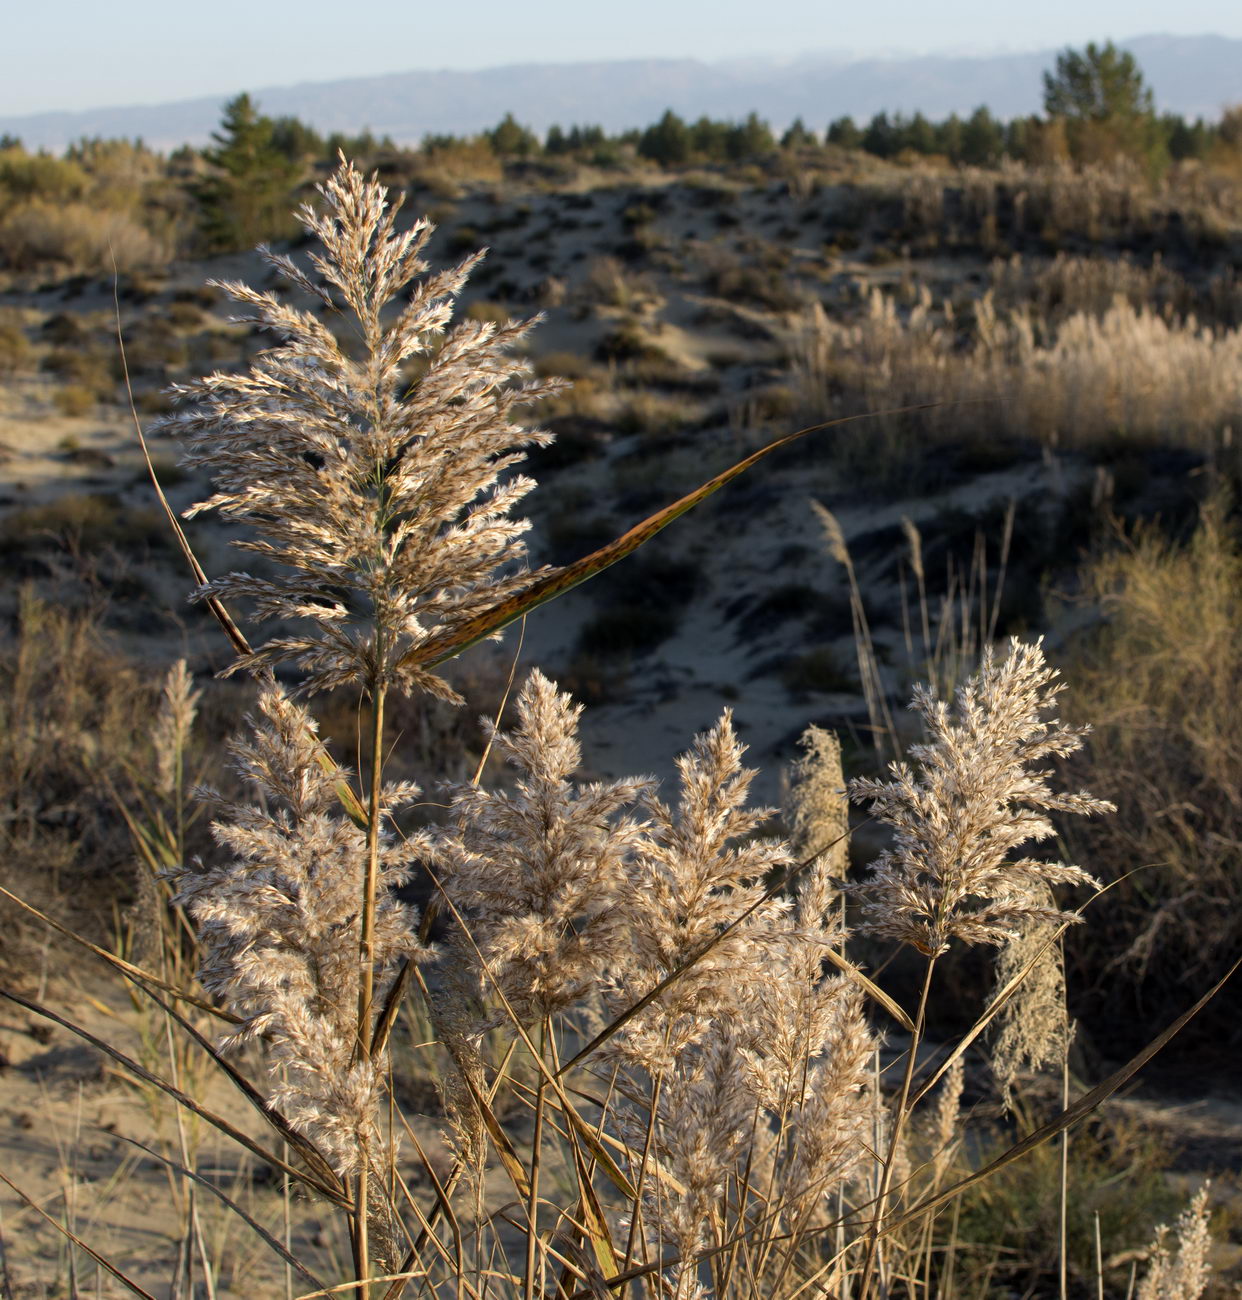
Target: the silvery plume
(539, 873)
(749, 1068)
(976, 798)
(278, 923)
(382, 499)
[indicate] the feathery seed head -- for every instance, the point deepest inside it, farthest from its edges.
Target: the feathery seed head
(975, 799)
(539, 873)
(385, 503)
(177, 710)
(278, 925)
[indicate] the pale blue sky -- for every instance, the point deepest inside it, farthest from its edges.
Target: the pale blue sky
(72, 54)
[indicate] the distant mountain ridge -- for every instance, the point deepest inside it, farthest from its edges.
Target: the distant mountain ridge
(1194, 75)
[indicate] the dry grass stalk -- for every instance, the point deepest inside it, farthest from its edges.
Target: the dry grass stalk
(1128, 369)
(1184, 1276)
(719, 1129)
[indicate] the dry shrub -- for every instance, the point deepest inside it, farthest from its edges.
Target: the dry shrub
(14, 347)
(77, 236)
(67, 709)
(1160, 678)
(609, 282)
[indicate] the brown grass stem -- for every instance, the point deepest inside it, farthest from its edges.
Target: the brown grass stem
(900, 1113)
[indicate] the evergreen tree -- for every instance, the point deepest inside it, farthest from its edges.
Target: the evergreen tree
(510, 139)
(797, 136)
(1100, 95)
(1018, 135)
(667, 142)
(918, 135)
(982, 139)
(1185, 139)
(708, 139)
(844, 133)
(246, 197)
(750, 139)
(296, 140)
(880, 138)
(949, 134)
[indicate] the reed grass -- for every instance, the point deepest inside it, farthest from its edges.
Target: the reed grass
(690, 1099)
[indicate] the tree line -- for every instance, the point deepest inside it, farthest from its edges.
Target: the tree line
(1097, 109)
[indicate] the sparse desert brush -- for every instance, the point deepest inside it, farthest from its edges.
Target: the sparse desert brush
(688, 1097)
(67, 700)
(1038, 205)
(1050, 291)
(1159, 675)
(77, 237)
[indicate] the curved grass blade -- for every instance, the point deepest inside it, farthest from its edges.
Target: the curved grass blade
(558, 581)
(252, 1223)
(139, 976)
(105, 1264)
(183, 1099)
(1068, 1117)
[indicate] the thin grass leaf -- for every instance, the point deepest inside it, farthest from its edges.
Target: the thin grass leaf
(226, 1200)
(387, 1017)
(594, 1222)
(105, 1264)
(500, 1140)
(128, 969)
(342, 1287)
(870, 987)
(1071, 1115)
(183, 1099)
(437, 650)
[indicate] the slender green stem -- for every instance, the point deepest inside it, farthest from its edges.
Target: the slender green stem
(899, 1123)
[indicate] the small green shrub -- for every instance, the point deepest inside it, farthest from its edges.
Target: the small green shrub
(818, 670)
(629, 341)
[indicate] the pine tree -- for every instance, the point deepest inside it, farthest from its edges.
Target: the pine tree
(510, 139)
(246, 197)
(844, 132)
(667, 142)
(983, 139)
(797, 136)
(1107, 109)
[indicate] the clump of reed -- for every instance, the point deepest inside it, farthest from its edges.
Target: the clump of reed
(1002, 378)
(695, 1099)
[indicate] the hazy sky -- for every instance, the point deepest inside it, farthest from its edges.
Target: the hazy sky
(70, 54)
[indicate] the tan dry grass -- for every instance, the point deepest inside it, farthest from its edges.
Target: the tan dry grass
(1129, 374)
